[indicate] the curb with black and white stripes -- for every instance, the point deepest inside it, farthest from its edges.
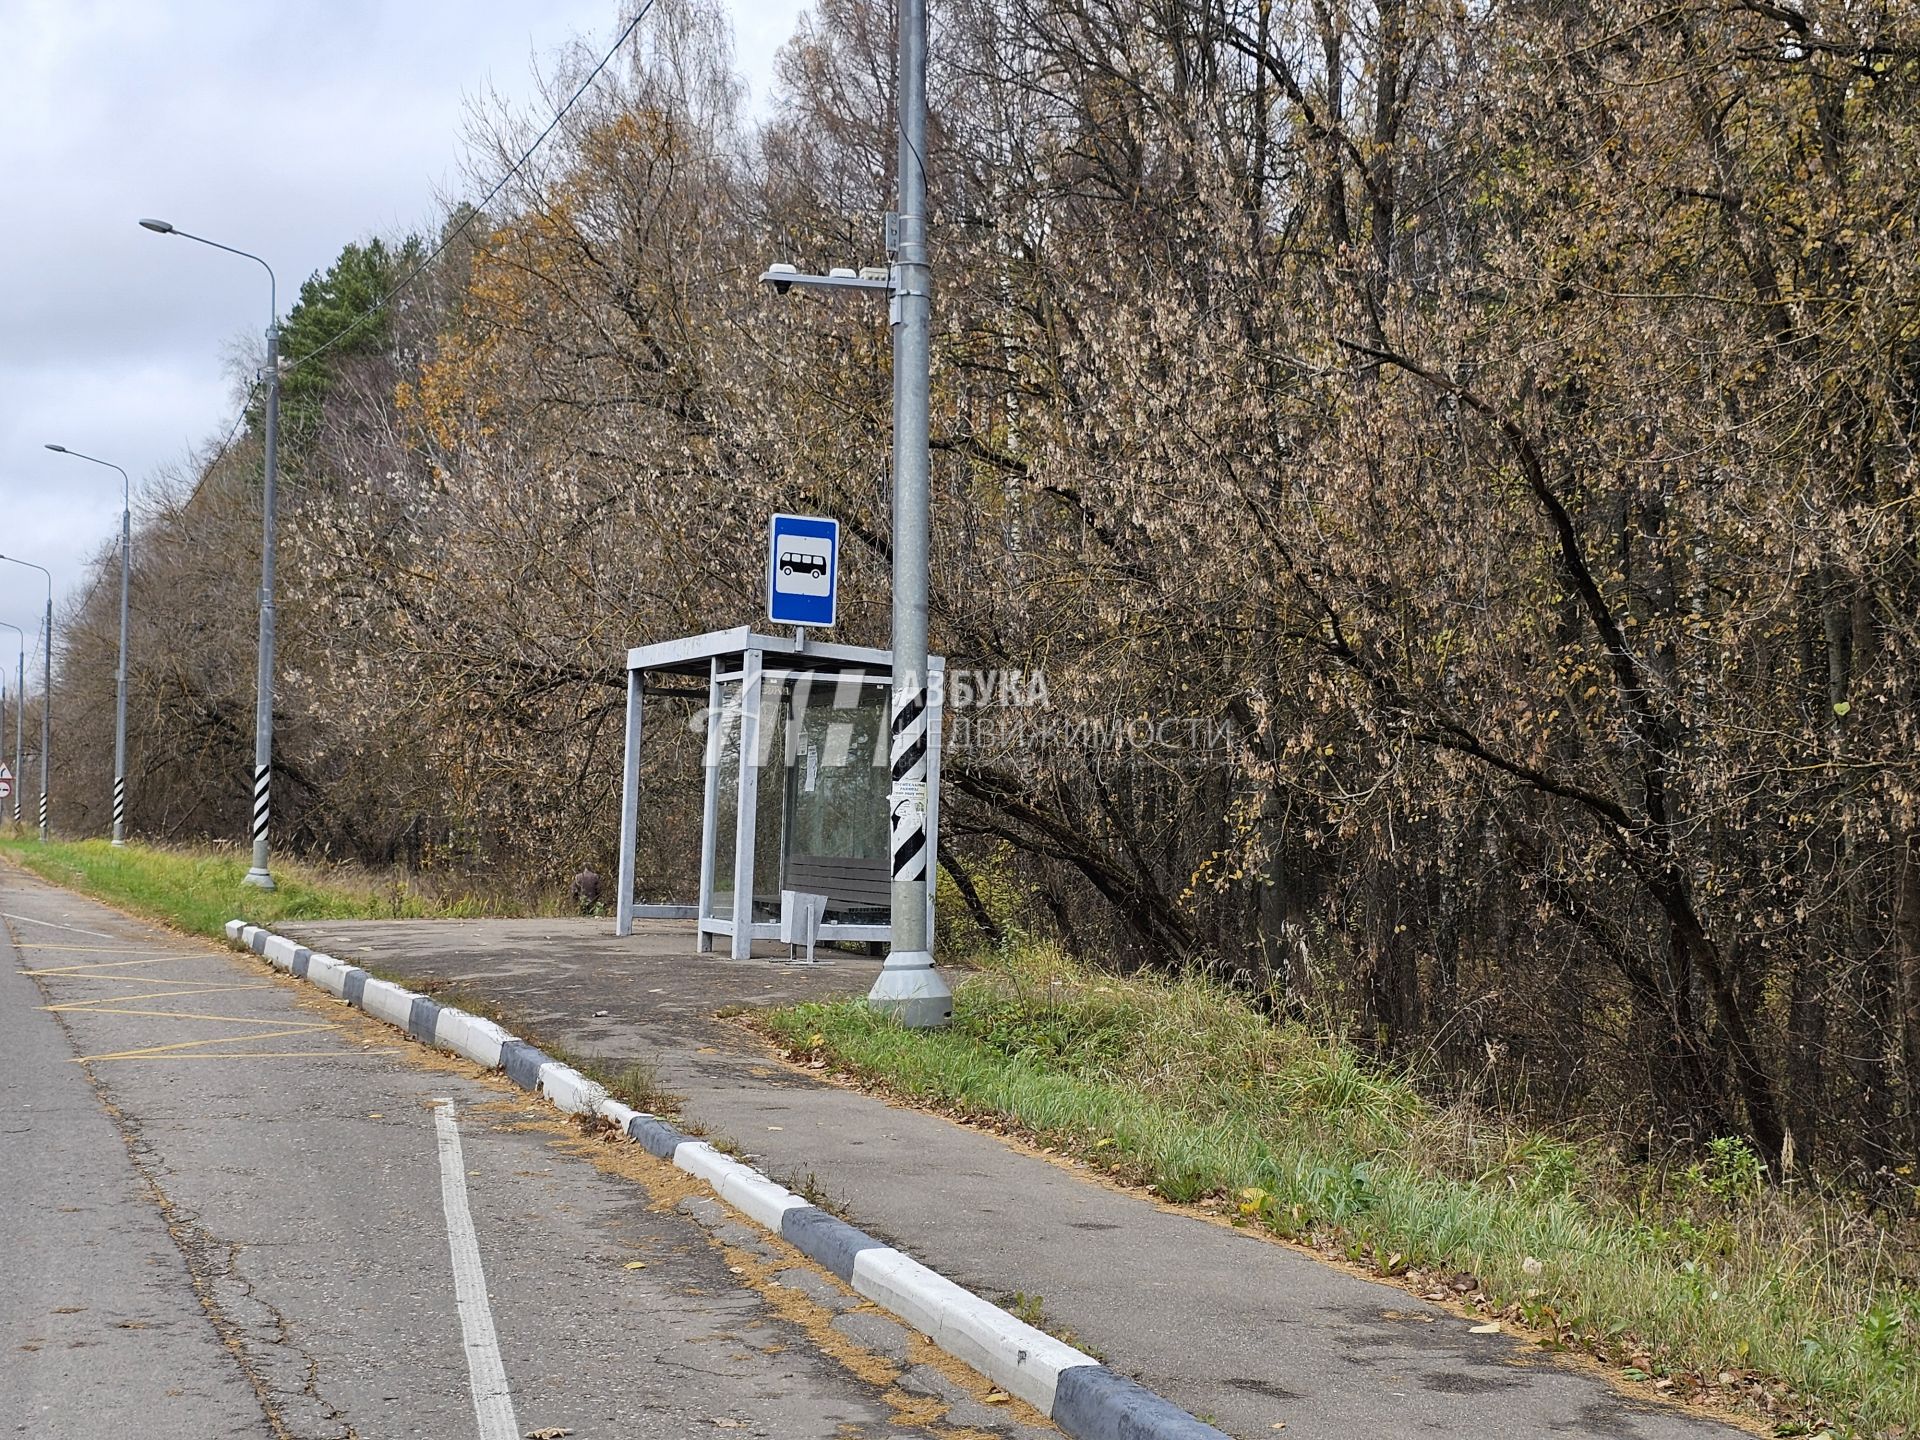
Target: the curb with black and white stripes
(1083, 1397)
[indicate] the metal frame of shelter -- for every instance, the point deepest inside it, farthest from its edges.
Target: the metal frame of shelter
(739, 657)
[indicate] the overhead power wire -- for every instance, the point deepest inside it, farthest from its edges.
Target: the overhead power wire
(220, 451)
(475, 211)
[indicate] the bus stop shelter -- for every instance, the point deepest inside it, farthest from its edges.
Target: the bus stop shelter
(797, 783)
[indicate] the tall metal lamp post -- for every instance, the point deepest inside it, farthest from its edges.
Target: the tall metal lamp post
(259, 875)
(19, 719)
(908, 987)
(46, 692)
(120, 684)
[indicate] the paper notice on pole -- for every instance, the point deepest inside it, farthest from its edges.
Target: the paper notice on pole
(812, 775)
(910, 804)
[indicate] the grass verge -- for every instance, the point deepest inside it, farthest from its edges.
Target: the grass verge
(1698, 1279)
(199, 890)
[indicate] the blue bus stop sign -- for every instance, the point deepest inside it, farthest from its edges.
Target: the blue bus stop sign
(803, 570)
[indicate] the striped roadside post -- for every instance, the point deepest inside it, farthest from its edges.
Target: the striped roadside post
(908, 754)
(262, 782)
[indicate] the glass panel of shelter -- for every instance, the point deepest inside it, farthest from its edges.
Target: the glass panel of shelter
(835, 811)
(723, 758)
(820, 815)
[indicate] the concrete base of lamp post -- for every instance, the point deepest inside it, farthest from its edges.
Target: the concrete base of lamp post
(910, 990)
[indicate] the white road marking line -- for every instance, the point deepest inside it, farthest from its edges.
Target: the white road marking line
(492, 1400)
(28, 919)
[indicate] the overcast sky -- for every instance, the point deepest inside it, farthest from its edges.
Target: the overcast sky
(285, 127)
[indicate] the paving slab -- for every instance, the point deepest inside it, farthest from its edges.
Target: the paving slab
(1247, 1334)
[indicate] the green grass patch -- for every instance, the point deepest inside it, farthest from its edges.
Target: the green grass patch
(1799, 1307)
(199, 890)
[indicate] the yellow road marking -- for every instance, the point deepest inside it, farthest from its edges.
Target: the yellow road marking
(152, 1050)
(110, 964)
(184, 993)
(173, 1015)
(95, 949)
(174, 987)
(244, 1055)
(180, 994)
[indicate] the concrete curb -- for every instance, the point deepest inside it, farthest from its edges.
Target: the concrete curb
(1083, 1397)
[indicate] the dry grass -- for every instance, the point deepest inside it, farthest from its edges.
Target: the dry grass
(1699, 1278)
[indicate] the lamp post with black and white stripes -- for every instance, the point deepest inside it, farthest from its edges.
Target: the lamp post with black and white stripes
(908, 987)
(46, 692)
(259, 875)
(120, 684)
(19, 718)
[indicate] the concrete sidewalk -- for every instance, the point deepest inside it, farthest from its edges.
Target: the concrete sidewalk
(1244, 1333)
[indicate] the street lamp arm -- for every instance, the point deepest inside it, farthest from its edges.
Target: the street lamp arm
(783, 278)
(13, 560)
(126, 483)
(273, 284)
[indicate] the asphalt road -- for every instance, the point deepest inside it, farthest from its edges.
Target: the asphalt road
(1251, 1335)
(231, 1206)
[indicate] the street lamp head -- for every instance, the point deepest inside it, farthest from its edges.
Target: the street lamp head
(58, 449)
(776, 277)
(159, 227)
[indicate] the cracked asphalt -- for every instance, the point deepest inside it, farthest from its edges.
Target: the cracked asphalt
(1251, 1335)
(221, 1215)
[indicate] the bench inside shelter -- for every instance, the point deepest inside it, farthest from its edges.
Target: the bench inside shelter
(850, 883)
